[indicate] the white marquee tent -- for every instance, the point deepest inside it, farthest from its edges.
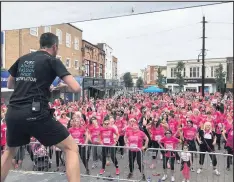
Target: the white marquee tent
(18, 15)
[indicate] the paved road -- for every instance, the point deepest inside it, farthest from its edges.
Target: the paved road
(155, 174)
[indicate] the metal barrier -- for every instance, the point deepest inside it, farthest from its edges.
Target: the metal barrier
(36, 157)
(207, 174)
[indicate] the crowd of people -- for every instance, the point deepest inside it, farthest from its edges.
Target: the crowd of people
(141, 121)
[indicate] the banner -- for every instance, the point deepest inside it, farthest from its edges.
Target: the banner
(4, 78)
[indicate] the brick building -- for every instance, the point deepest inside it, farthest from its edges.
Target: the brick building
(93, 60)
(114, 67)
(151, 74)
(23, 41)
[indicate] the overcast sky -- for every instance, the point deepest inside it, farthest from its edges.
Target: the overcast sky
(153, 39)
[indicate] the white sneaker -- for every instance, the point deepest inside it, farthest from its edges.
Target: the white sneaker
(183, 180)
(217, 172)
(164, 177)
(187, 180)
(199, 170)
(94, 165)
(172, 178)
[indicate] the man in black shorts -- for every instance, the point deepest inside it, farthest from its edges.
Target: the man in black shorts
(28, 112)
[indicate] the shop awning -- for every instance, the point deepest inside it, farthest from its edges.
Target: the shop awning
(15, 15)
(97, 88)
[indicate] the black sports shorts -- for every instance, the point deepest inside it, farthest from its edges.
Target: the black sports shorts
(22, 124)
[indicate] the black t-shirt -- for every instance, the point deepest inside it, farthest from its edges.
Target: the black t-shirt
(34, 73)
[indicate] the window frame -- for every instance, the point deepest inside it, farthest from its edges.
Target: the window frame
(76, 43)
(30, 31)
(68, 41)
(77, 64)
(47, 27)
(69, 62)
(60, 38)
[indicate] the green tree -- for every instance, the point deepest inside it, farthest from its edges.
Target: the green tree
(179, 78)
(160, 79)
(220, 75)
(128, 80)
(140, 83)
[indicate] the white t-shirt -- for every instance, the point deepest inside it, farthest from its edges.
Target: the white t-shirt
(185, 156)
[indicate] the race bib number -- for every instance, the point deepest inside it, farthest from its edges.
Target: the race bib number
(95, 140)
(106, 140)
(158, 137)
(169, 146)
(133, 145)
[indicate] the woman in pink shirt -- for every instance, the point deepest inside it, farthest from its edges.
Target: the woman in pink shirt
(63, 119)
(156, 129)
(120, 125)
(136, 139)
(169, 142)
(94, 138)
(188, 136)
(228, 137)
(80, 135)
(107, 138)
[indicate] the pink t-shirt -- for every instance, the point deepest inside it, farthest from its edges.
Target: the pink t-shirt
(173, 125)
(120, 125)
(107, 135)
(3, 134)
(63, 121)
(94, 134)
(219, 127)
(227, 125)
(170, 144)
(230, 139)
(135, 139)
(157, 133)
(189, 133)
(78, 134)
(99, 117)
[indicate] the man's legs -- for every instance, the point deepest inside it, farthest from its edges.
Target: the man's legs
(6, 161)
(72, 161)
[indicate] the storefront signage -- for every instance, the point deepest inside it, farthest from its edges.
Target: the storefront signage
(4, 78)
(88, 82)
(99, 82)
(207, 80)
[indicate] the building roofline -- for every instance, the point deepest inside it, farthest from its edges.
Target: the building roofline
(196, 59)
(115, 58)
(105, 44)
(74, 27)
(93, 45)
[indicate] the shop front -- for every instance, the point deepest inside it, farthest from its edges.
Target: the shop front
(194, 85)
(98, 88)
(86, 85)
(111, 87)
(64, 94)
